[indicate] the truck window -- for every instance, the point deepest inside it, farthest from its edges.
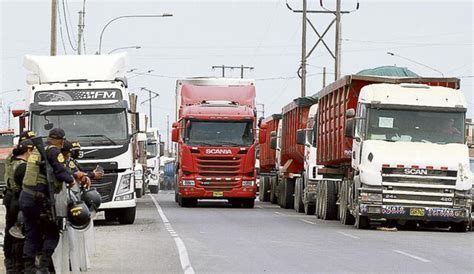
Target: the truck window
(360, 125)
(6, 141)
(217, 133)
(416, 126)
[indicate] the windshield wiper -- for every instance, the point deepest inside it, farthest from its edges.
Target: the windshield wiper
(100, 135)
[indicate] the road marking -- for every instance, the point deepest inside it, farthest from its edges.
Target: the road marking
(412, 256)
(348, 235)
(287, 215)
(306, 221)
(183, 253)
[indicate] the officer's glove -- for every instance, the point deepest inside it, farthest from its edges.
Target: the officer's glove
(39, 196)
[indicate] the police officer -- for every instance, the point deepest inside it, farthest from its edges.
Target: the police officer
(10, 201)
(97, 173)
(42, 234)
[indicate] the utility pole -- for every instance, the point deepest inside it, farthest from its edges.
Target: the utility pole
(168, 134)
(54, 16)
(324, 77)
(337, 51)
(241, 67)
(8, 114)
(149, 103)
(81, 26)
(303, 51)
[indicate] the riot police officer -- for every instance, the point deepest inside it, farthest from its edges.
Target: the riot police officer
(13, 247)
(42, 234)
(97, 173)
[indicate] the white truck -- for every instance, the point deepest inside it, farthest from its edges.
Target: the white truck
(87, 97)
(154, 152)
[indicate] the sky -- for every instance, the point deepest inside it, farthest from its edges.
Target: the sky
(263, 34)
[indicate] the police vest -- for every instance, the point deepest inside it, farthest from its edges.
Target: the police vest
(8, 169)
(12, 184)
(33, 174)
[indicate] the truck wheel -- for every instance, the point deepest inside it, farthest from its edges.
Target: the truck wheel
(298, 200)
(344, 214)
(328, 203)
(273, 185)
(110, 215)
(287, 194)
(138, 192)
(361, 222)
(309, 209)
(459, 227)
(153, 189)
(188, 202)
(126, 216)
(235, 203)
(262, 188)
(248, 203)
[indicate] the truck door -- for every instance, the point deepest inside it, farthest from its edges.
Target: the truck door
(361, 119)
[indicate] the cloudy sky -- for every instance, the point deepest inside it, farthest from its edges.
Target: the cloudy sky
(263, 34)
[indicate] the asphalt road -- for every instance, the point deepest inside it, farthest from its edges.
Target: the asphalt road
(215, 238)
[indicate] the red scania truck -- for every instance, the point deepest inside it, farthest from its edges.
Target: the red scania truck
(214, 134)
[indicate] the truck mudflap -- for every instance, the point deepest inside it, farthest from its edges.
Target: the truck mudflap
(201, 193)
(428, 214)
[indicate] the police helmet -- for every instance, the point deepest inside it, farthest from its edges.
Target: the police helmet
(92, 199)
(67, 146)
(78, 215)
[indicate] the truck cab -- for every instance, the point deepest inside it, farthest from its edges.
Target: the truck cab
(154, 152)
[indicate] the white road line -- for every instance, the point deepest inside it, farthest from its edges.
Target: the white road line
(306, 221)
(348, 235)
(287, 215)
(183, 253)
(412, 256)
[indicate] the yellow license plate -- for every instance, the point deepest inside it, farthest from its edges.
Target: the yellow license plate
(218, 194)
(417, 212)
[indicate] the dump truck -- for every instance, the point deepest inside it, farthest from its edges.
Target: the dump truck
(215, 136)
(392, 150)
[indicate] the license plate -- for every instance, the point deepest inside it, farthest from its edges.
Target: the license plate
(417, 212)
(218, 194)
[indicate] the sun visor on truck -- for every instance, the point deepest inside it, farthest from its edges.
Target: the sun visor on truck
(40, 107)
(243, 95)
(48, 69)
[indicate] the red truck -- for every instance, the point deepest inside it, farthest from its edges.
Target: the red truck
(214, 134)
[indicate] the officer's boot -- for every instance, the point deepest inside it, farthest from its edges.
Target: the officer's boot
(9, 266)
(29, 264)
(44, 262)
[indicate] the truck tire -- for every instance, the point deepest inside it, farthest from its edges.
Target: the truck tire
(236, 203)
(309, 209)
(153, 189)
(287, 194)
(188, 202)
(126, 216)
(248, 203)
(273, 186)
(262, 188)
(266, 190)
(362, 222)
(459, 227)
(110, 215)
(298, 200)
(344, 214)
(329, 198)
(139, 192)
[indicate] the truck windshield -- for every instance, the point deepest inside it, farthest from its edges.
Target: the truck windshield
(415, 126)
(92, 126)
(151, 150)
(212, 133)
(6, 141)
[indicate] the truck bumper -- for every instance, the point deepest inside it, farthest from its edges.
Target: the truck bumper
(201, 193)
(425, 214)
(120, 204)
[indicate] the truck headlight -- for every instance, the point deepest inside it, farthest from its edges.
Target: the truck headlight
(187, 183)
(248, 183)
(124, 185)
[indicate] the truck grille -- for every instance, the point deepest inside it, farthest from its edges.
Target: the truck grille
(106, 187)
(418, 187)
(212, 166)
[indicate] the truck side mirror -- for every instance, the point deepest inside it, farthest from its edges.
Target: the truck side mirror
(175, 125)
(140, 122)
(162, 149)
(350, 127)
(262, 135)
(273, 142)
(175, 135)
(300, 137)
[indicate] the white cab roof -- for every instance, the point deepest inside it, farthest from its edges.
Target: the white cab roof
(48, 69)
(413, 95)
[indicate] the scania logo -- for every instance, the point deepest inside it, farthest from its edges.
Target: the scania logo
(415, 171)
(218, 151)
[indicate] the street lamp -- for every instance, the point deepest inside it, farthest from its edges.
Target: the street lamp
(128, 16)
(10, 110)
(413, 61)
(149, 102)
(130, 47)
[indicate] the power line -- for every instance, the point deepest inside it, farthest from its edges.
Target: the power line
(61, 30)
(74, 48)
